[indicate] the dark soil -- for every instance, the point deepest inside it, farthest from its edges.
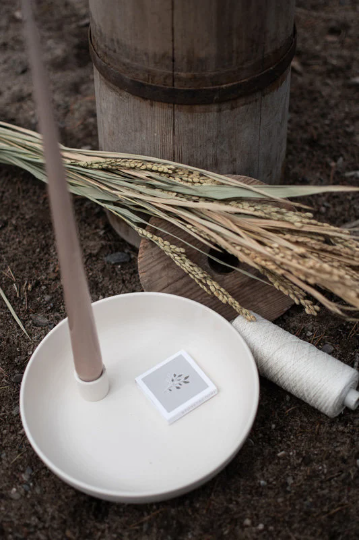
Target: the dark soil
(297, 476)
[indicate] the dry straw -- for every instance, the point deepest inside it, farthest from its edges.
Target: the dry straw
(302, 257)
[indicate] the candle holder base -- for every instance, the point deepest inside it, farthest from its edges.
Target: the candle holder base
(120, 448)
(94, 390)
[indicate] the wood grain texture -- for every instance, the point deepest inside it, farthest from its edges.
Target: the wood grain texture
(181, 43)
(159, 273)
(244, 136)
(131, 125)
(272, 139)
(135, 36)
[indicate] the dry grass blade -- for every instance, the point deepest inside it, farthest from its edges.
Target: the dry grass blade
(12, 311)
(304, 258)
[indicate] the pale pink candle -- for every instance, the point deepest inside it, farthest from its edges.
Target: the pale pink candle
(84, 339)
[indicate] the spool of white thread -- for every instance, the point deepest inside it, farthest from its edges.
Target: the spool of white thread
(300, 368)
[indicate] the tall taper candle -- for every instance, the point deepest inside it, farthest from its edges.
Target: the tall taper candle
(84, 339)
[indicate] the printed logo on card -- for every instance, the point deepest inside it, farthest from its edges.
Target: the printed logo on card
(175, 382)
(176, 386)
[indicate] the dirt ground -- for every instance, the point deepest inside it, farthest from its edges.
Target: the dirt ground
(297, 476)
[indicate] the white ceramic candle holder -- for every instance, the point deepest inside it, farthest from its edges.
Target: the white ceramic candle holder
(120, 448)
(94, 390)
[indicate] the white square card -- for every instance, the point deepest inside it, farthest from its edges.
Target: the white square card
(176, 386)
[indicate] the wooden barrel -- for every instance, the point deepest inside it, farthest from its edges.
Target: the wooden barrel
(202, 82)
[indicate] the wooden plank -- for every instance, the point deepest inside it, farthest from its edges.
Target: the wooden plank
(132, 125)
(279, 22)
(159, 273)
(258, 127)
(135, 36)
(272, 133)
(201, 136)
(218, 37)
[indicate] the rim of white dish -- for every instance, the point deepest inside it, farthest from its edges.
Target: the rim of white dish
(83, 486)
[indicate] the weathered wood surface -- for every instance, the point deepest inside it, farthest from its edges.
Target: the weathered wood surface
(159, 273)
(179, 42)
(184, 44)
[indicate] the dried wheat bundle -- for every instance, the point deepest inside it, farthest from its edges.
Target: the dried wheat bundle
(302, 257)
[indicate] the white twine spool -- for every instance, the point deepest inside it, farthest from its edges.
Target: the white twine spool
(300, 368)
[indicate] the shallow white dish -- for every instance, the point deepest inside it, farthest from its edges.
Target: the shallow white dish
(120, 448)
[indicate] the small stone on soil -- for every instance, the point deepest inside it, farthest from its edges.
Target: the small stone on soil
(281, 454)
(21, 69)
(297, 66)
(14, 494)
(26, 475)
(39, 320)
(247, 523)
(328, 348)
(47, 298)
(17, 378)
(260, 527)
(18, 15)
(118, 258)
(262, 483)
(16, 410)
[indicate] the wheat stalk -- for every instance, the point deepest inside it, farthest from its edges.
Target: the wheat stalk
(300, 256)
